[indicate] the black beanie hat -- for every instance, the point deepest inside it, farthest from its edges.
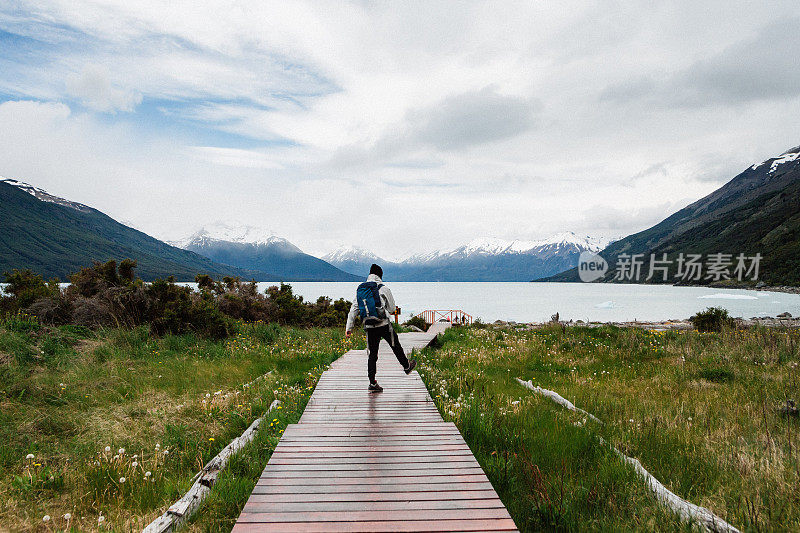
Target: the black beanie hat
(375, 269)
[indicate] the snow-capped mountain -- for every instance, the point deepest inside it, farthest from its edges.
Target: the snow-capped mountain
(219, 231)
(353, 259)
(44, 196)
(483, 259)
(561, 243)
(250, 245)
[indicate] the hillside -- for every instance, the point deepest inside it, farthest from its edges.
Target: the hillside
(251, 248)
(758, 211)
(56, 237)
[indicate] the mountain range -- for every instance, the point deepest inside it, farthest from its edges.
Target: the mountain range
(485, 259)
(56, 237)
(757, 212)
(252, 248)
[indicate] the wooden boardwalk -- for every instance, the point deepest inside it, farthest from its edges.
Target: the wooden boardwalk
(373, 462)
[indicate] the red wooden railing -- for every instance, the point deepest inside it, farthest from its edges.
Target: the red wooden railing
(454, 316)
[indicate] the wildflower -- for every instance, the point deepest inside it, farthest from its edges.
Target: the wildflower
(158, 446)
(108, 449)
(148, 474)
(122, 480)
(101, 519)
(631, 420)
(67, 516)
(46, 518)
(121, 451)
(166, 452)
(211, 439)
(135, 464)
(29, 456)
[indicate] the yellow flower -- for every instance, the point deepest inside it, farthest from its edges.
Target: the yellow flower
(211, 439)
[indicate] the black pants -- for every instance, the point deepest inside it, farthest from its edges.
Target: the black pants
(374, 336)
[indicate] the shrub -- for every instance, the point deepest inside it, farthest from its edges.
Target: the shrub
(107, 295)
(713, 319)
(417, 321)
(26, 286)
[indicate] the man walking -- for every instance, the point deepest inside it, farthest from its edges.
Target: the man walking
(374, 303)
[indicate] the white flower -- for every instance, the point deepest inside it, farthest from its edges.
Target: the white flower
(115, 458)
(689, 419)
(29, 456)
(108, 449)
(122, 480)
(67, 516)
(166, 452)
(631, 420)
(121, 451)
(135, 456)
(158, 446)
(134, 464)
(515, 402)
(46, 518)
(148, 474)
(101, 519)
(451, 413)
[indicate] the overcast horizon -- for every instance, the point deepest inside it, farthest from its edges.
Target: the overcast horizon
(399, 128)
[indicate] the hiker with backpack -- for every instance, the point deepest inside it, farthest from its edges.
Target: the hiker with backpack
(374, 303)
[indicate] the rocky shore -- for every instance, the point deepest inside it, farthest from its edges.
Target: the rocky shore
(784, 320)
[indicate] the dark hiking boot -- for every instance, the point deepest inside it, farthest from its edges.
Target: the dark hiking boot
(411, 365)
(374, 387)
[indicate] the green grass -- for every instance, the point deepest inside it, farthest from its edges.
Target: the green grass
(700, 411)
(172, 403)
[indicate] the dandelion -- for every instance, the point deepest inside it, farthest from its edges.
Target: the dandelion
(46, 518)
(211, 439)
(29, 456)
(108, 449)
(122, 480)
(67, 516)
(121, 451)
(148, 474)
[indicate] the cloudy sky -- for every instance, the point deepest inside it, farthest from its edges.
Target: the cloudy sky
(397, 126)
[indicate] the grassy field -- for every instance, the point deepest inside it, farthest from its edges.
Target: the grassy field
(700, 411)
(102, 430)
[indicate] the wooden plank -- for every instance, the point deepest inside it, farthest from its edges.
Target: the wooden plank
(358, 461)
(379, 526)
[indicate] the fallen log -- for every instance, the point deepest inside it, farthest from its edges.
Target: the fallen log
(687, 511)
(557, 398)
(184, 508)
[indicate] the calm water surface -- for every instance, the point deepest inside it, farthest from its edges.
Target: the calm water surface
(536, 302)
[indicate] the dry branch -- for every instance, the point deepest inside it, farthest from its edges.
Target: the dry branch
(687, 511)
(181, 510)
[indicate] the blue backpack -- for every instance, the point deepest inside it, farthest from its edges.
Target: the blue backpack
(370, 306)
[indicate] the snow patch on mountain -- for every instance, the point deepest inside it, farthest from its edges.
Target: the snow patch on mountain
(240, 234)
(786, 157)
(561, 242)
(44, 196)
(354, 254)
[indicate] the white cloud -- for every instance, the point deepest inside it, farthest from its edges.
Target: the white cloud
(94, 89)
(514, 120)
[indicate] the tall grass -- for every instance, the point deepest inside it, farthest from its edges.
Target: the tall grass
(701, 411)
(73, 399)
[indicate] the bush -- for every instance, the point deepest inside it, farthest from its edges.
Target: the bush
(107, 295)
(713, 319)
(417, 321)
